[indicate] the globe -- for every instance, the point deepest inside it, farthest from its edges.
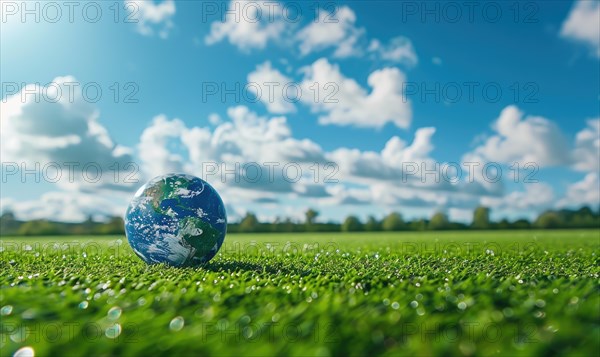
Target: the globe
(176, 219)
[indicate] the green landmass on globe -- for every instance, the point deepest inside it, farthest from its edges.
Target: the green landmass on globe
(199, 234)
(176, 219)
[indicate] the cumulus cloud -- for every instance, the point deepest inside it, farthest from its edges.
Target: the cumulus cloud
(337, 29)
(64, 206)
(70, 131)
(271, 87)
(150, 15)
(523, 139)
(393, 195)
(154, 149)
(583, 25)
(250, 137)
(408, 172)
(387, 164)
(398, 50)
(252, 25)
(397, 151)
(397, 196)
(361, 177)
(56, 125)
(342, 101)
(534, 197)
(586, 154)
(248, 144)
(248, 25)
(214, 119)
(534, 139)
(584, 192)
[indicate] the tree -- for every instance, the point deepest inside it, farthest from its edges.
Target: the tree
(439, 221)
(583, 217)
(88, 225)
(418, 225)
(311, 214)
(38, 228)
(521, 224)
(548, 220)
(503, 224)
(351, 224)
(585, 211)
(8, 223)
(392, 222)
(372, 225)
(288, 225)
(481, 218)
(114, 225)
(249, 223)
(7, 216)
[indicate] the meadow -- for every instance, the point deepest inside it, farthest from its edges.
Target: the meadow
(353, 294)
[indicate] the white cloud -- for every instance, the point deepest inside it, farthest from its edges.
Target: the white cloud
(154, 149)
(149, 14)
(338, 30)
(345, 102)
(584, 192)
(169, 145)
(583, 24)
(342, 195)
(249, 137)
(397, 196)
(398, 50)
(332, 29)
(268, 85)
(396, 151)
(369, 167)
(586, 154)
(536, 196)
(393, 195)
(405, 173)
(61, 131)
(252, 25)
(460, 215)
(522, 139)
(363, 166)
(214, 119)
(249, 25)
(64, 207)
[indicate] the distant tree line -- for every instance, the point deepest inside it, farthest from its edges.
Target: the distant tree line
(565, 218)
(552, 219)
(9, 225)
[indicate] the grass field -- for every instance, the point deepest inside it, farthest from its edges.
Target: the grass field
(450, 293)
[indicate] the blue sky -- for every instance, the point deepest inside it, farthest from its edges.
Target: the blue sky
(542, 56)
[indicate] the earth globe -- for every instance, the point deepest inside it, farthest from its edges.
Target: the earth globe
(176, 219)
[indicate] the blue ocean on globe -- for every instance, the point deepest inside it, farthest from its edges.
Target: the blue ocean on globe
(176, 219)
